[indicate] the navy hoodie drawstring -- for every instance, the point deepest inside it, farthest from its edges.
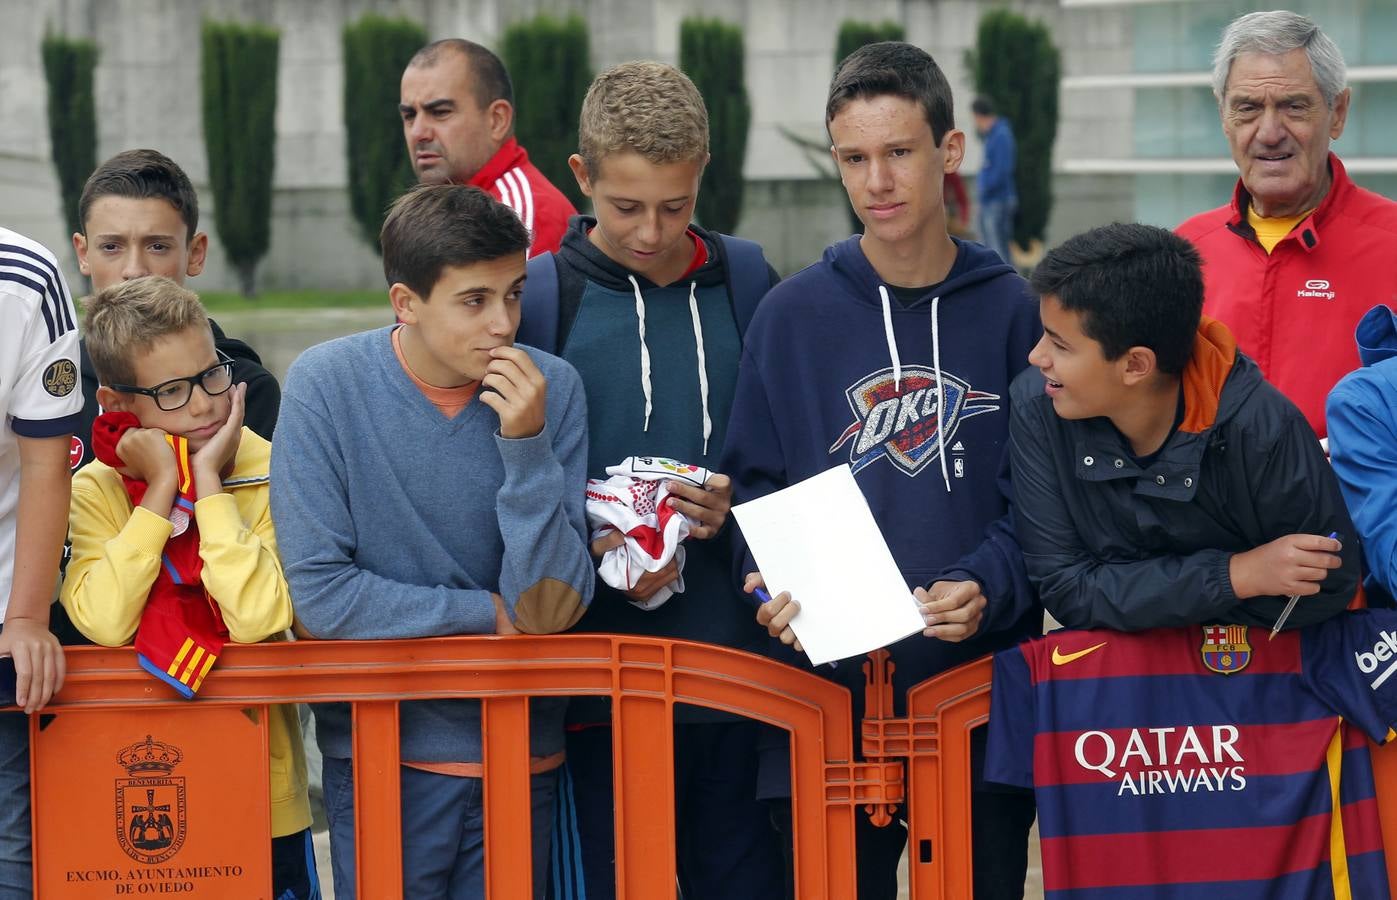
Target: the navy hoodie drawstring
(935, 364)
(699, 348)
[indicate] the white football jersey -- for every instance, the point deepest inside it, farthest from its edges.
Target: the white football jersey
(40, 394)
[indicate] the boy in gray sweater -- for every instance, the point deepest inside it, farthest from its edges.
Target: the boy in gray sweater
(427, 479)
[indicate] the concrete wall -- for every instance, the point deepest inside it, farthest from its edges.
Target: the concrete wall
(147, 84)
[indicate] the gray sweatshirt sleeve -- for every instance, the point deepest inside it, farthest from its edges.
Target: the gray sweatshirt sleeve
(333, 598)
(547, 573)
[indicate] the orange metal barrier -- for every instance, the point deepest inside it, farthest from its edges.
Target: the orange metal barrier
(644, 677)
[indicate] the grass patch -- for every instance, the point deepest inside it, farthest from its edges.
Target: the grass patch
(227, 301)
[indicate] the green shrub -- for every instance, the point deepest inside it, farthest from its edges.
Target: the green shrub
(549, 62)
(1016, 65)
(239, 87)
(68, 67)
(376, 50)
(711, 53)
(854, 34)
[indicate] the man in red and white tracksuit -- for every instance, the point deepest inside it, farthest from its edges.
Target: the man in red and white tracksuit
(1301, 252)
(457, 107)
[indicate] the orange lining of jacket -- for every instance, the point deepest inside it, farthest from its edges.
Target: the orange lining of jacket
(1214, 353)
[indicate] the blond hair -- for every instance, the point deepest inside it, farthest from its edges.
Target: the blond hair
(644, 107)
(125, 319)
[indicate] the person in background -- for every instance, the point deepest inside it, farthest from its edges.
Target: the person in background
(999, 196)
(457, 107)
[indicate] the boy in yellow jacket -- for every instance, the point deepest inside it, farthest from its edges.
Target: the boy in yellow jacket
(183, 466)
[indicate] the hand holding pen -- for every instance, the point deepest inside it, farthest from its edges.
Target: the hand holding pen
(775, 613)
(1295, 598)
(1292, 565)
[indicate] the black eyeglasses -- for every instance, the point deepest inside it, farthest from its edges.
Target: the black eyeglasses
(175, 393)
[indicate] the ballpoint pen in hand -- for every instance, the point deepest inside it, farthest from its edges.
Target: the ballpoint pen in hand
(1285, 614)
(1290, 604)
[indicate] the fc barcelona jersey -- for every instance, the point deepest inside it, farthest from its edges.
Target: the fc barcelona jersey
(1207, 761)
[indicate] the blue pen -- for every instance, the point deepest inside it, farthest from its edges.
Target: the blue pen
(1294, 598)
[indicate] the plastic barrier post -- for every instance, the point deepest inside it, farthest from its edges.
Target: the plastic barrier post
(934, 738)
(943, 712)
(504, 729)
(643, 773)
(378, 844)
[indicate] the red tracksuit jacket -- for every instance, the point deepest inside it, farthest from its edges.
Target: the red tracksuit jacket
(1295, 310)
(510, 178)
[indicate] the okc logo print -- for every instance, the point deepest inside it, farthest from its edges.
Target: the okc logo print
(902, 425)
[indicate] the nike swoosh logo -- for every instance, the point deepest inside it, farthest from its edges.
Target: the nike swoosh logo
(1062, 659)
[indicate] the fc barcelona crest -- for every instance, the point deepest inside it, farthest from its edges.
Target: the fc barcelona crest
(1225, 649)
(150, 805)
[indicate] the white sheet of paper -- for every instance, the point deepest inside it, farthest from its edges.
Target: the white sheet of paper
(817, 539)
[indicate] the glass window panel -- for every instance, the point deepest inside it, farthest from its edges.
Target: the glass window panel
(1167, 200)
(1177, 123)
(1377, 38)
(1372, 123)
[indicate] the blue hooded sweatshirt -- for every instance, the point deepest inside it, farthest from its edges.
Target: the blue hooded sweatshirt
(835, 370)
(1362, 417)
(996, 179)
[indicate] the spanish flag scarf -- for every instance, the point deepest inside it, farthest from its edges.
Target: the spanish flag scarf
(181, 631)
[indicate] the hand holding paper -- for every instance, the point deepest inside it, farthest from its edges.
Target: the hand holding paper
(952, 610)
(817, 541)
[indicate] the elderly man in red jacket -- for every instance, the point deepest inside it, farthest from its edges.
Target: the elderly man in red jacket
(1301, 252)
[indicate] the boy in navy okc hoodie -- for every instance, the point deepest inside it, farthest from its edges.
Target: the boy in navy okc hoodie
(649, 309)
(894, 354)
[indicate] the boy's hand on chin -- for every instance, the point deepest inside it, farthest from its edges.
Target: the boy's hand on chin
(218, 452)
(518, 392)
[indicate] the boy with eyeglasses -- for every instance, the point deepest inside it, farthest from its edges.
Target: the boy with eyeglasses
(171, 525)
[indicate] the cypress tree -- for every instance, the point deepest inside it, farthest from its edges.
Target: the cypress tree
(72, 109)
(712, 54)
(376, 50)
(854, 34)
(239, 88)
(1017, 66)
(549, 61)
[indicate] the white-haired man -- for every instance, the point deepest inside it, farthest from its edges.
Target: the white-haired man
(1301, 252)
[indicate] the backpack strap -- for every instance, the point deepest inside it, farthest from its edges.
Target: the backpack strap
(538, 318)
(749, 277)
